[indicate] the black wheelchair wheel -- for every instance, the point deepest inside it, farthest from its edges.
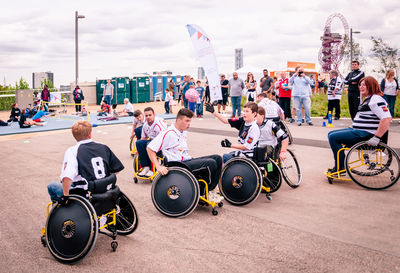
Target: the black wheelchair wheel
(71, 230)
(127, 218)
(291, 170)
(285, 128)
(374, 168)
(272, 176)
(175, 194)
(240, 181)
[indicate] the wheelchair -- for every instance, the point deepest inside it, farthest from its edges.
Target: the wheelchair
(71, 230)
(179, 192)
(284, 127)
(373, 168)
(132, 145)
(243, 178)
(137, 168)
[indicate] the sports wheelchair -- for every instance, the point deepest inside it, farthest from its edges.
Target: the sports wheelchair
(284, 127)
(179, 192)
(71, 229)
(243, 178)
(137, 168)
(132, 145)
(373, 168)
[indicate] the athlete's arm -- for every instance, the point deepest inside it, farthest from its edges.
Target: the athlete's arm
(239, 147)
(66, 184)
(221, 117)
(383, 127)
(285, 144)
(153, 157)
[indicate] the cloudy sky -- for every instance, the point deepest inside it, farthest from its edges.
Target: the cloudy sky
(119, 38)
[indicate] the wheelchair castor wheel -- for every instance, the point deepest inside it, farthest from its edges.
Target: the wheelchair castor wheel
(220, 204)
(214, 212)
(114, 245)
(269, 197)
(135, 180)
(43, 240)
(330, 180)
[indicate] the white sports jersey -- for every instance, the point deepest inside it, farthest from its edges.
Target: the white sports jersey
(336, 83)
(270, 133)
(151, 131)
(137, 123)
(370, 112)
(172, 143)
(272, 109)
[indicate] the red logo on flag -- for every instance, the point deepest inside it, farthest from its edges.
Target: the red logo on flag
(250, 140)
(384, 108)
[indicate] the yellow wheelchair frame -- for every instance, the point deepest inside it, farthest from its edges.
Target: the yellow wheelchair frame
(338, 175)
(132, 145)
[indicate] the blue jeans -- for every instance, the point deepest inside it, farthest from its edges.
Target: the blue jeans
(141, 146)
(199, 109)
(166, 107)
(55, 190)
(192, 106)
(348, 137)
(107, 99)
(306, 103)
(138, 132)
(391, 100)
(236, 105)
(185, 101)
(226, 157)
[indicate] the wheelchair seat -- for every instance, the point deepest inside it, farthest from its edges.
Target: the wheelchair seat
(102, 185)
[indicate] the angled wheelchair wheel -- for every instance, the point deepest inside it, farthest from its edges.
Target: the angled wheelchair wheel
(285, 128)
(175, 194)
(374, 168)
(136, 163)
(272, 176)
(71, 230)
(132, 146)
(240, 181)
(291, 170)
(127, 218)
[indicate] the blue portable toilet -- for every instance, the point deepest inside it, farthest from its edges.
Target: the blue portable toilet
(164, 85)
(154, 87)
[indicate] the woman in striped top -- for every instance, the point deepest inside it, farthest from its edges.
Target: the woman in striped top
(371, 122)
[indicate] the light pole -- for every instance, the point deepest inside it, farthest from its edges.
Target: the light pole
(351, 44)
(76, 45)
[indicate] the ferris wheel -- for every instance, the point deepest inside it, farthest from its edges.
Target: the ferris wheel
(330, 55)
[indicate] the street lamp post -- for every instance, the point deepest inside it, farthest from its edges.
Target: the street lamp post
(351, 44)
(76, 45)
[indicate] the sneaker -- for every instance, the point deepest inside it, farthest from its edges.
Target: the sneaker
(310, 123)
(298, 124)
(291, 120)
(212, 196)
(336, 118)
(149, 173)
(325, 117)
(144, 171)
(302, 120)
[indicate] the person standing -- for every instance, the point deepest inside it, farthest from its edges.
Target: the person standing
(301, 93)
(207, 98)
(168, 98)
(199, 103)
(224, 91)
(390, 89)
(251, 87)
(171, 86)
(108, 92)
(236, 85)
(266, 82)
(185, 87)
(285, 96)
(78, 97)
(334, 94)
(45, 96)
(352, 80)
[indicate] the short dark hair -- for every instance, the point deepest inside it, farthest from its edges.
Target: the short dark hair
(184, 112)
(261, 111)
(355, 62)
(198, 81)
(265, 69)
(262, 95)
(149, 109)
(252, 106)
(114, 106)
(137, 113)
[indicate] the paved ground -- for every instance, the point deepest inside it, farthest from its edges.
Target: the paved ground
(317, 227)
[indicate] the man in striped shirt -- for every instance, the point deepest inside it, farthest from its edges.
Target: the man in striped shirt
(371, 122)
(334, 94)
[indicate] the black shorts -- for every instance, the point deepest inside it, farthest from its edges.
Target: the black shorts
(224, 100)
(130, 114)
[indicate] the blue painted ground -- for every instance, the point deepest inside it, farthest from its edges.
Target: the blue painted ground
(55, 123)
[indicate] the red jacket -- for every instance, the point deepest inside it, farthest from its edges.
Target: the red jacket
(282, 92)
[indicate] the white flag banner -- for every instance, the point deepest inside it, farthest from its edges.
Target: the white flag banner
(206, 56)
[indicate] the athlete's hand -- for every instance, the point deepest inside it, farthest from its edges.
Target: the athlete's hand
(226, 143)
(62, 200)
(210, 108)
(374, 141)
(163, 170)
(282, 155)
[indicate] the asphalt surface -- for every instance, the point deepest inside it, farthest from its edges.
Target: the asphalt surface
(317, 227)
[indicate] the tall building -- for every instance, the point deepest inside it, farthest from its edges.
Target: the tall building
(200, 73)
(238, 58)
(39, 77)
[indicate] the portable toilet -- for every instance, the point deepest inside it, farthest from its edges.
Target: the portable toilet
(122, 89)
(100, 85)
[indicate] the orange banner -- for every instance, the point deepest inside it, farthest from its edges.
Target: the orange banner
(293, 65)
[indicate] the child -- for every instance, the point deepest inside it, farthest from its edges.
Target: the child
(38, 116)
(272, 109)
(249, 132)
(138, 120)
(199, 103)
(105, 109)
(168, 98)
(15, 113)
(191, 95)
(114, 115)
(23, 123)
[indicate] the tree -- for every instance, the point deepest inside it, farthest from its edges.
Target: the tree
(357, 52)
(47, 82)
(21, 84)
(385, 54)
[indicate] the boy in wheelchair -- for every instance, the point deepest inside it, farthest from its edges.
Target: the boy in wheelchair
(172, 143)
(371, 123)
(83, 162)
(249, 133)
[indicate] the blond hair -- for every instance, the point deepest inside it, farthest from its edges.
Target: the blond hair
(81, 130)
(390, 71)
